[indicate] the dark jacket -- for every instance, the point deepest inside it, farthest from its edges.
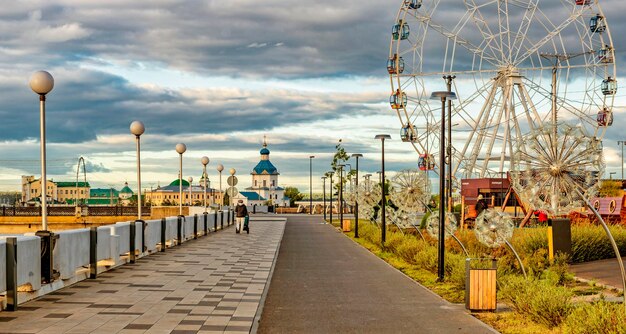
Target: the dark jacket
(241, 210)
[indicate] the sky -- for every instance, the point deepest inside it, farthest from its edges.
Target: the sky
(215, 75)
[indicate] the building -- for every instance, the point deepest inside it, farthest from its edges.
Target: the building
(169, 195)
(264, 183)
(57, 192)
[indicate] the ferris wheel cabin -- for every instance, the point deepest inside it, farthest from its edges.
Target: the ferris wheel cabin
(408, 133)
(426, 162)
(398, 100)
(605, 117)
(395, 65)
(400, 31)
(605, 55)
(583, 2)
(597, 24)
(415, 4)
(609, 86)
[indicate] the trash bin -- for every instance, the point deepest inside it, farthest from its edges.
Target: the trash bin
(480, 284)
(345, 225)
(559, 237)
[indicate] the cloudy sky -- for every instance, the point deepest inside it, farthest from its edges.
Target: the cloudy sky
(216, 75)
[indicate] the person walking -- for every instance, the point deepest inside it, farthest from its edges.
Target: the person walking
(241, 212)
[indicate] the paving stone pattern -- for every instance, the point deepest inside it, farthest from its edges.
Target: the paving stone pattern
(210, 285)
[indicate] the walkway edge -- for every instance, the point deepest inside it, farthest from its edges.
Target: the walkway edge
(412, 280)
(259, 310)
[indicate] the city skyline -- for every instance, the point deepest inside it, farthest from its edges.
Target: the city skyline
(217, 77)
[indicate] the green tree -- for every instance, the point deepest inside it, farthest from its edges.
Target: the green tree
(294, 195)
(610, 188)
(340, 158)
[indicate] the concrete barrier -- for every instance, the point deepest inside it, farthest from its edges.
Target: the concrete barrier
(71, 254)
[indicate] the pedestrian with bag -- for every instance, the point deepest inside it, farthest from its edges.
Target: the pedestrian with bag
(241, 212)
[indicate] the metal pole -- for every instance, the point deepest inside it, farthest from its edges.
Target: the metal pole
(42, 151)
(205, 177)
(442, 195)
(382, 185)
(221, 193)
(356, 201)
(340, 197)
(138, 179)
(622, 142)
(311, 184)
(324, 196)
(180, 187)
(449, 79)
(331, 198)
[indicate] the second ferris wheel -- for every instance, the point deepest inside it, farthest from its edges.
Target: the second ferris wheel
(515, 65)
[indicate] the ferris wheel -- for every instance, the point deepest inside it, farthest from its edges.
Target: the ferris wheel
(515, 65)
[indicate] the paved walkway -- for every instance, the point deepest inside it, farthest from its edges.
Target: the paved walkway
(209, 285)
(325, 283)
(605, 272)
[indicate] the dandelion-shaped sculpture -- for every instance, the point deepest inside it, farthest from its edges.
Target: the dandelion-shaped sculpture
(494, 229)
(451, 226)
(371, 202)
(411, 190)
(559, 173)
(406, 219)
(395, 217)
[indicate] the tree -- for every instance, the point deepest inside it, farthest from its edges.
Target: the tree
(610, 188)
(294, 195)
(340, 157)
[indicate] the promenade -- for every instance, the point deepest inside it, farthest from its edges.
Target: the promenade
(322, 282)
(209, 285)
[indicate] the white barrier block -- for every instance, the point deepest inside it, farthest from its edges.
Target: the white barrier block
(188, 228)
(122, 229)
(103, 249)
(138, 236)
(114, 247)
(71, 252)
(171, 230)
(153, 234)
(3, 263)
(29, 261)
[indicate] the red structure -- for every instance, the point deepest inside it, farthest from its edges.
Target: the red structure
(494, 191)
(612, 209)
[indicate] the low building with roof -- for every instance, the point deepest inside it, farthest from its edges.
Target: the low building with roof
(170, 194)
(57, 192)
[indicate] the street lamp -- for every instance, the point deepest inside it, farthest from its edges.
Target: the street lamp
(356, 198)
(205, 161)
(382, 185)
(324, 196)
(341, 195)
(311, 184)
(611, 175)
(190, 179)
(42, 83)
(220, 168)
(180, 148)
(137, 128)
(330, 175)
(232, 172)
(622, 142)
(443, 96)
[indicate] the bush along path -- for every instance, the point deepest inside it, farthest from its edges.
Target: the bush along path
(550, 300)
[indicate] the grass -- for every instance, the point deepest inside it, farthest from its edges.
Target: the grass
(548, 302)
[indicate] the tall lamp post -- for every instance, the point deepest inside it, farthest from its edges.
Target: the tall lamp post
(232, 172)
(382, 186)
(341, 195)
(42, 83)
(180, 149)
(622, 142)
(443, 96)
(205, 161)
(324, 196)
(220, 168)
(137, 128)
(356, 199)
(190, 179)
(311, 184)
(330, 175)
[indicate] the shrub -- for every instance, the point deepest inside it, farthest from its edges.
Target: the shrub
(424, 219)
(393, 240)
(409, 247)
(597, 318)
(591, 243)
(540, 300)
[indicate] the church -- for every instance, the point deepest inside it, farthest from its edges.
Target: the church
(264, 187)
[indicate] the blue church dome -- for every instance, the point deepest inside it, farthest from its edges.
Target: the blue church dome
(265, 151)
(265, 166)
